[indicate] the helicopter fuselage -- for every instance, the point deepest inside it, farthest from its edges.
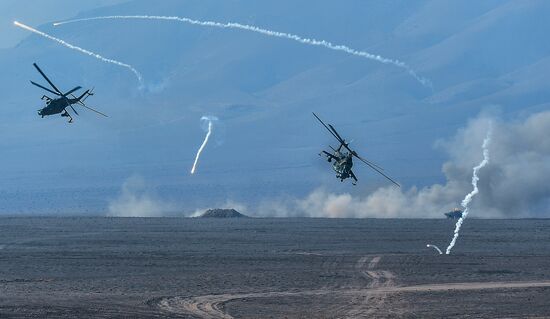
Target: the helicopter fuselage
(343, 163)
(56, 106)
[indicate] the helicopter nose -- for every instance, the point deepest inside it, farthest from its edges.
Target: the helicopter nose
(39, 112)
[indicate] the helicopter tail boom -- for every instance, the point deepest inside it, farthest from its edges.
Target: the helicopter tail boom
(81, 97)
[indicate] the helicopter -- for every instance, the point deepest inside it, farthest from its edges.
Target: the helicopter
(60, 103)
(343, 158)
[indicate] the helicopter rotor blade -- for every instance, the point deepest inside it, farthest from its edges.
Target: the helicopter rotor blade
(331, 132)
(354, 153)
(45, 77)
(336, 133)
(75, 112)
(67, 112)
(91, 109)
(45, 88)
(377, 170)
(371, 163)
(71, 91)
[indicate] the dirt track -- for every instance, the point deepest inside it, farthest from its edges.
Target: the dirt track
(362, 302)
(211, 306)
(282, 268)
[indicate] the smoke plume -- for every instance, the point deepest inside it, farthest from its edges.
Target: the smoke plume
(515, 185)
(74, 47)
(136, 201)
(209, 120)
(466, 201)
(294, 37)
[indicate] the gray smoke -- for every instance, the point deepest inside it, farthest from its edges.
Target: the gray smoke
(294, 37)
(514, 185)
(136, 201)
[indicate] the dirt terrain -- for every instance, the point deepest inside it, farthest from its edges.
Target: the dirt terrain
(272, 268)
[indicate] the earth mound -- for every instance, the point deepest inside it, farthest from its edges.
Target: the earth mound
(222, 213)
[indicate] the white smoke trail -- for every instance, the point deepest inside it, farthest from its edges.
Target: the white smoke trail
(210, 119)
(469, 197)
(435, 247)
(232, 25)
(74, 47)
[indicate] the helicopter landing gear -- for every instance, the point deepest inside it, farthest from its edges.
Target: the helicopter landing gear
(66, 114)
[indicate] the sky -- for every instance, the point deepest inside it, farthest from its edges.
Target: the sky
(414, 84)
(39, 12)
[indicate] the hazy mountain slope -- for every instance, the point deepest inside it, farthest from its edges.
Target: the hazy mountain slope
(488, 55)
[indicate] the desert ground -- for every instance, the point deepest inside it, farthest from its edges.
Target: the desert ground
(272, 268)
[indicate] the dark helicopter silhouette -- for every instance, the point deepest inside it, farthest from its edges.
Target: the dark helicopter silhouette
(62, 101)
(343, 161)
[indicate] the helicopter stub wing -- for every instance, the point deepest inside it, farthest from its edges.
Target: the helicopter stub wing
(327, 154)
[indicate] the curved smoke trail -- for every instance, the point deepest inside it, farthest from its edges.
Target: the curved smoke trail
(294, 37)
(469, 197)
(74, 47)
(435, 247)
(210, 119)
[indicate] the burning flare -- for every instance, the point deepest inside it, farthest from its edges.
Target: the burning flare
(74, 47)
(210, 119)
(232, 25)
(469, 197)
(435, 247)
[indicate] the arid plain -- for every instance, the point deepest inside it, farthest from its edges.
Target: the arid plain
(272, 268)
